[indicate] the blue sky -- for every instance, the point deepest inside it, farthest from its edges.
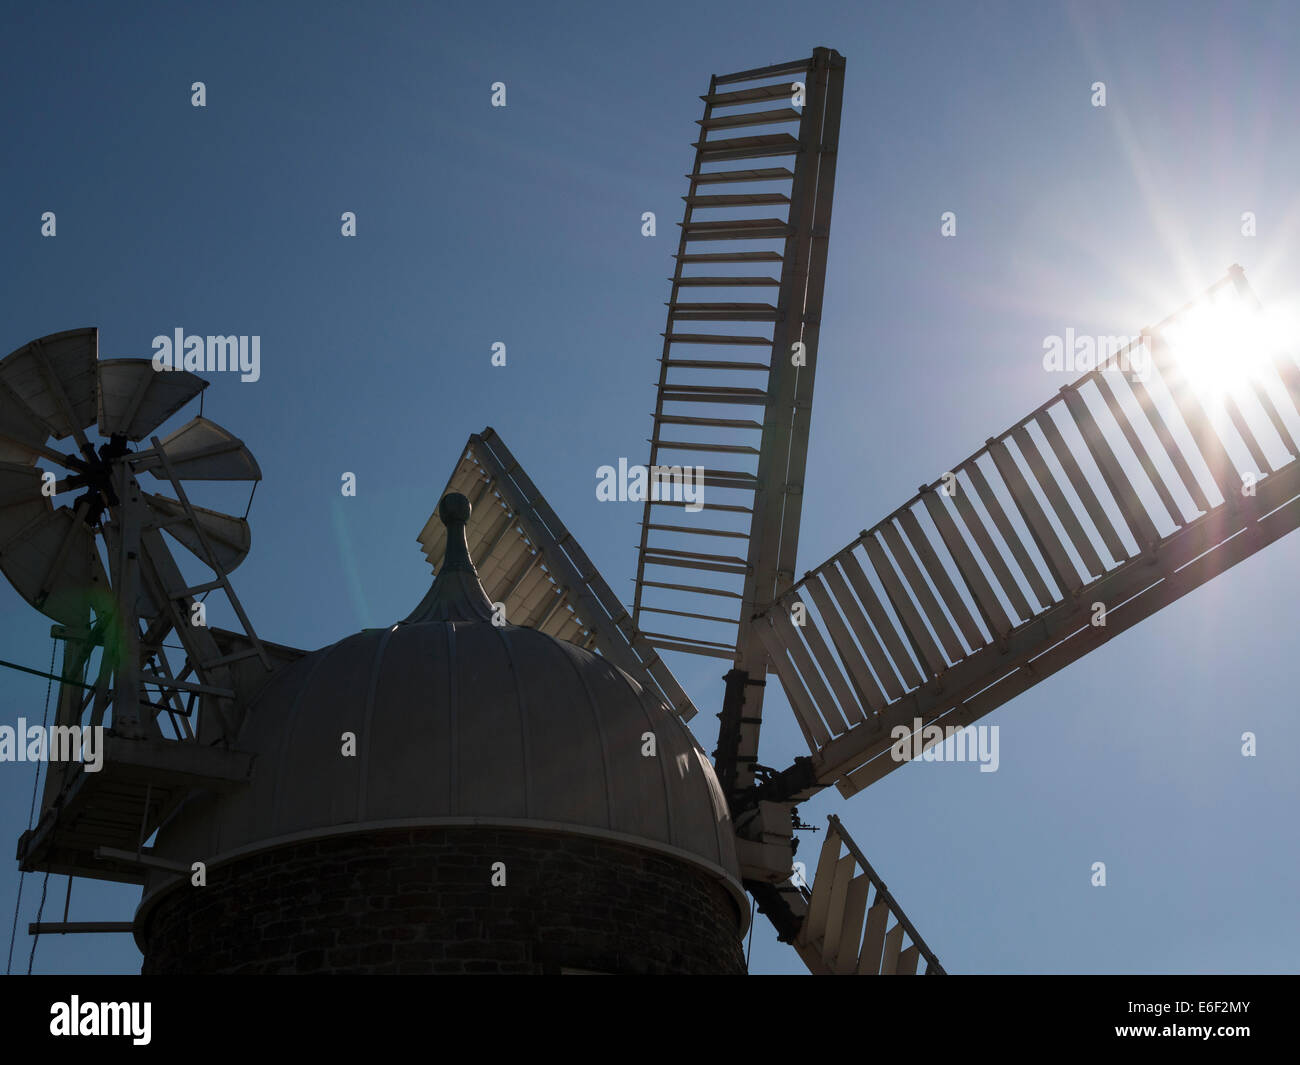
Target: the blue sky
(522, 225)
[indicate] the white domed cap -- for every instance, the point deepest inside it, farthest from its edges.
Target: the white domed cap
(457, 721)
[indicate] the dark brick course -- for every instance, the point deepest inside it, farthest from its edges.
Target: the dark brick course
(421, 901)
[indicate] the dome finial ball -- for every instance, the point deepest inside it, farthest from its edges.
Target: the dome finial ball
(454, 509)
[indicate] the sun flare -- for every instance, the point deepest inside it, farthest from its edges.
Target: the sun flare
(1223, 345)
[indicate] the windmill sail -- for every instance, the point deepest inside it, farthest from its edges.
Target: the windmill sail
(736, 374)
(847, 930)
(531, 565)
(1038, 548)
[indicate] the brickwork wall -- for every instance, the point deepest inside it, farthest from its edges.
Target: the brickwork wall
(421, 901)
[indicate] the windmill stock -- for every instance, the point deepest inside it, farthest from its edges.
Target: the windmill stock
(1121, 490)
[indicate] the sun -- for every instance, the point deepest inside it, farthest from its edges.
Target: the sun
(1223, 345)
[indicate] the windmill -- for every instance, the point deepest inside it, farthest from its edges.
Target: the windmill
(99, 566)
(1126, 490)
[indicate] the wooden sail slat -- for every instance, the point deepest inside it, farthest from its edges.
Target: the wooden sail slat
(853, 661)
(1109, 535)
(1139, 448)
(1213, 453)
(984, 541)
(1239, 423)
(845, 958)
(942, 582)
(833, 672)
(814, 924)
(1121, 489)
(921, 594)
(1049, 544)
(1167, 441)
(839, 894)
(994, 508)
(981, 591)
(893, 947)
(881, 620)
(884, 669)
(792, 682)
(913, 627)
(823, 702)
(873, 938)
(1274, 416)
(1059, 504)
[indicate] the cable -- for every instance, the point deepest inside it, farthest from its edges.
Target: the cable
(40, 912)
(753, 907)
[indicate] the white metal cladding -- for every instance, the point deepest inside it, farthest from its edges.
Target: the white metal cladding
(1122, 491)
(458, 720)
(529, 561)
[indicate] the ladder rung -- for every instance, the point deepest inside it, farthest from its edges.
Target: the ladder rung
(775, 71)
(732, 508)
(702, 394)
(720, 593)
(766, 144)
(716, 338)
(750, 118)
(696, 530)
(756, 308)
(652, 636)
(722, 481)
(691, 649)
(748, 226)
(714, 423)
(730, 475)
(687, 614)
(753, 199)
(682, 445)
(651, 559)
(722, 312)
(719, 390)
(730, 177)
(666, 552)
(730, 257)
(670, 395)
(744, 96)
(726, 282)
(715, 364)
